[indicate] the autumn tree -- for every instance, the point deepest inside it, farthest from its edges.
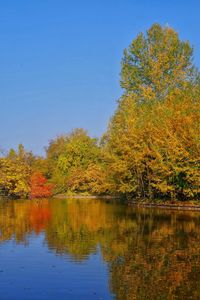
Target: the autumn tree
(75, 162)
(15, 171)
(154, 149)
(39, 188)
(153, 146)
(156, 63)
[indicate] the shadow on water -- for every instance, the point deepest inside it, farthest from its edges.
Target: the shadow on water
(98, 249)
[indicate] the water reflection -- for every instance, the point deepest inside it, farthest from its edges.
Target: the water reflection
(150, 254)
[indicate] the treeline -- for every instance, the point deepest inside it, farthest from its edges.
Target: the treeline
(151, 148)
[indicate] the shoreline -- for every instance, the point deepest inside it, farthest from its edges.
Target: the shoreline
(64, 196)
(170, 206)
(187, 206)
(184, 206)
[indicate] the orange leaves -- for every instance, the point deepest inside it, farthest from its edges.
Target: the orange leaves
(39, 216)
(39, 186)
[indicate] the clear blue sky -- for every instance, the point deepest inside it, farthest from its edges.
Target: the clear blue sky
(60, 61)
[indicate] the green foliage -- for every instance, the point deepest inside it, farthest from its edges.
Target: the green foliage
(156, 63)
(75, 162)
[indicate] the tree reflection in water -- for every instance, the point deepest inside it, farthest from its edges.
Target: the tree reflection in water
(151, 254)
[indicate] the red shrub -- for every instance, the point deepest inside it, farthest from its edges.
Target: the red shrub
(39, 186)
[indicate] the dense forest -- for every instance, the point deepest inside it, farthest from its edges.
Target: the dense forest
(151, 148)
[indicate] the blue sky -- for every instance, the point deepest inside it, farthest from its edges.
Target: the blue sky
(60, 61)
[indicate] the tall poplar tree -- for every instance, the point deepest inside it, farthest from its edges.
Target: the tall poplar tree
(156, 63)
(153, 137)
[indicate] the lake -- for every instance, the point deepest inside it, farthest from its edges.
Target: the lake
(97, 249)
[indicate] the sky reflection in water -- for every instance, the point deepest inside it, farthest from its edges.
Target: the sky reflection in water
(95, 249)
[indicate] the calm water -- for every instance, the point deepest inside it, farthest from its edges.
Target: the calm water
(96, 249)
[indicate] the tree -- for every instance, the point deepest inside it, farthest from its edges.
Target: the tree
(75, 161)
(14, 178)
(153, 146)
(39, 186)
(156, 63)
(15, 171)
(80, 150)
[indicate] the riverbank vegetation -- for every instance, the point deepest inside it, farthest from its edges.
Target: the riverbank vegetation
(151, 148)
